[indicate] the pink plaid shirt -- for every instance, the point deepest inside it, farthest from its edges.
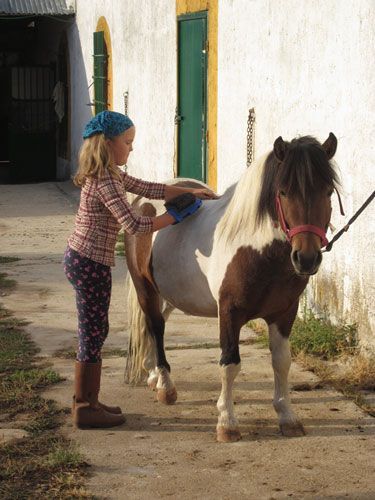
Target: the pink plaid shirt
(104, 209)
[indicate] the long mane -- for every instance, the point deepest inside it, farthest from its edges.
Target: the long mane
(242, 209)
(251, 211)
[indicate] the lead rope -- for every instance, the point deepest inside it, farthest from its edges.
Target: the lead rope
(345, 228)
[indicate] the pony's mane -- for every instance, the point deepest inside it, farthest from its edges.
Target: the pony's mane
(304, 171)
(242, 208)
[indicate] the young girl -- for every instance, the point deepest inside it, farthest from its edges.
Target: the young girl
(103, 210)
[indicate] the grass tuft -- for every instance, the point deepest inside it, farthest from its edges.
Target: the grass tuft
(320, 338)
(7, 260)
(314, 336)
(5, 283)
(64, 456)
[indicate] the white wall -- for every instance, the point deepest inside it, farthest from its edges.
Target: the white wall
(143, 36)
(308, 68)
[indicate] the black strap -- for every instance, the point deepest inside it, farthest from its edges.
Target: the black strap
(345, 228)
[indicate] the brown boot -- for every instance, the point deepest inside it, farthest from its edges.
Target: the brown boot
(110, 409)
(87, 411)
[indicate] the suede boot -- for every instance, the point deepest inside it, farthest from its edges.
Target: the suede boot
(110, 409)
(87, 411)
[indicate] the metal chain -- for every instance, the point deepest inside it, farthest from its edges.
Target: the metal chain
(250, 137)
(126, 102)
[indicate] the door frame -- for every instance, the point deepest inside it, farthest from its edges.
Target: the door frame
(189, 17)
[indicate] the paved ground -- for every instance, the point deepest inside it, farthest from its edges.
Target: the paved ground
(170, 452)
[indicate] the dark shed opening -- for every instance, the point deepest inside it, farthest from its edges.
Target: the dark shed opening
(34, 88)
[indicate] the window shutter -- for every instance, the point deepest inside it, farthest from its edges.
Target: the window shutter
(100, 72)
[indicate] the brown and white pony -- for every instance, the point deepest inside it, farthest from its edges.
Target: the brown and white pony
(246, 255)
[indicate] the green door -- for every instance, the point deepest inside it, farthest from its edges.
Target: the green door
(192, 95)
(100, 73)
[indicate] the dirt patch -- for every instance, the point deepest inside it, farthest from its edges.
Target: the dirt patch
(170, 451)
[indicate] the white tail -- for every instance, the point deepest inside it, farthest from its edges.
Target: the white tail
(141, 349)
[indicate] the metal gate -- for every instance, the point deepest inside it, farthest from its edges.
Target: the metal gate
(31, 133)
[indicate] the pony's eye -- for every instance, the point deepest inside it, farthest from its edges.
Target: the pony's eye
(283, 193)
(330, 193)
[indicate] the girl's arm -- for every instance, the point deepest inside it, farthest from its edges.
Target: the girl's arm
(150, 190)
(202, 193)
(161, 221)
(157, 191)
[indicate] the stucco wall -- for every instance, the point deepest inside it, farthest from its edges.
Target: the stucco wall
(308, 68)
(143, 36)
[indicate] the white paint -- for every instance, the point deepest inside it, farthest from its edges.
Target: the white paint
(281, 361)
(227, 419)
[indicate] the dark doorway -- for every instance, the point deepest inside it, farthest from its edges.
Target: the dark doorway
(31, 60)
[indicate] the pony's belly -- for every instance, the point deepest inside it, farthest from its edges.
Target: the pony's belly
(181, 276)
(186, 292)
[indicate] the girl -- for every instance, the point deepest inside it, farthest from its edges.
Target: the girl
(103, 210)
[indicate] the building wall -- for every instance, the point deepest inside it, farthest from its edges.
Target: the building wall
(308, 68)
(143, 37)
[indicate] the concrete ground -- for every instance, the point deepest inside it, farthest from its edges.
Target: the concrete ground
(170, 452)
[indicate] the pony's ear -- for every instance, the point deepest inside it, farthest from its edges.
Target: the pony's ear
(279, 148)
(330, 146)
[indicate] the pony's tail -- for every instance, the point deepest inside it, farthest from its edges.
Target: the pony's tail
(141, 349)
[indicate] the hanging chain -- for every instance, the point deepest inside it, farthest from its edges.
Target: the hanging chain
(126, 102)
(250, 137)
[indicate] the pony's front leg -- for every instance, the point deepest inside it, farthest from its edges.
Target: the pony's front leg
(230, 325)
(227, 425)
(281, 360)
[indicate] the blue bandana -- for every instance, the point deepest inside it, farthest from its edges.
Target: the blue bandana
(109, 123)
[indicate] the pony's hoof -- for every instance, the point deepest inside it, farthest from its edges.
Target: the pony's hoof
(167, 397)
(224, 435)
(295, 429)
(152, 384)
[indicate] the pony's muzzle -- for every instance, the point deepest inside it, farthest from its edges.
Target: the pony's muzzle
(306, 262)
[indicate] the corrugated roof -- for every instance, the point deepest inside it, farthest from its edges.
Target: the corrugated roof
(35, 8)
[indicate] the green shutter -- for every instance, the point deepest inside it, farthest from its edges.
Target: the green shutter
(100, 72)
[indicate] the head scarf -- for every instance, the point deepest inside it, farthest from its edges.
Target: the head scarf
(109, 123)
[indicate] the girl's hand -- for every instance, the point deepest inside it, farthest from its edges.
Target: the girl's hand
(204, 194)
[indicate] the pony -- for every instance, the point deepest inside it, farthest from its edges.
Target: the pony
(246, 255)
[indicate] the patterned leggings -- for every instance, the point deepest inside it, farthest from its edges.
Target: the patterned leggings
(92, 282)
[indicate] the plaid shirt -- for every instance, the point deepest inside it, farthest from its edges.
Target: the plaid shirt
(103, 209)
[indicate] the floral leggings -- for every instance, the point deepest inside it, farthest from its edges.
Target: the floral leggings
(92, 282)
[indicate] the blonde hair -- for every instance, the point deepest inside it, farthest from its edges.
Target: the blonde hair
(95, 159)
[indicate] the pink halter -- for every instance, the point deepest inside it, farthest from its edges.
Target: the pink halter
(306, 228)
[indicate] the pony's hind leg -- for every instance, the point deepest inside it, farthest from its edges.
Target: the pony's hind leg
(150, 362)
(165, 389)
(281, 360)
(146, 354)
